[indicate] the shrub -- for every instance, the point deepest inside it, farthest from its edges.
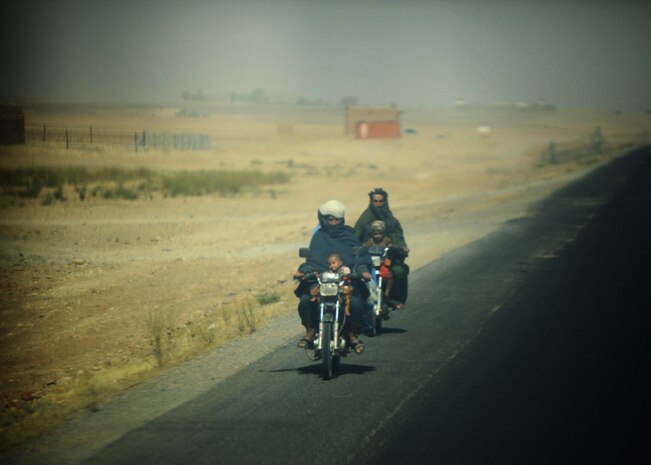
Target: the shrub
(123, 193)
(194, 183)
(58, 194)
(264, 299)
(82, 193)
(48, 200)
(32, 189)
(29, 182)
(159, 324)
(247, 319)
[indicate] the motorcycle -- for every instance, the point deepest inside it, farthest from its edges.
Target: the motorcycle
(332, 293)
(379, 307)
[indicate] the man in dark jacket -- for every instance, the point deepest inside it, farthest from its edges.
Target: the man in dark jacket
(333, 237)
(378, 209)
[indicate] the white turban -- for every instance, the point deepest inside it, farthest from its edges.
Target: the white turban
(334, 208)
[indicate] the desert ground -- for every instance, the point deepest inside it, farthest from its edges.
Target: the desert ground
(99, 294)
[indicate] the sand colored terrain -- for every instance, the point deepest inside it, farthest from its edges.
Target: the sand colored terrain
(80, 279)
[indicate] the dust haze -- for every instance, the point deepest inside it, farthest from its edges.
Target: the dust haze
(411, 53)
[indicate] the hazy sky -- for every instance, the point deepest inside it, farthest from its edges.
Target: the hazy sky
(569, 53)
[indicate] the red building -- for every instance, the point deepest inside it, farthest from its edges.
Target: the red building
(373, 123)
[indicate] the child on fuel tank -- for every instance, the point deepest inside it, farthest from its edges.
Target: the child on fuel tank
(379, 238)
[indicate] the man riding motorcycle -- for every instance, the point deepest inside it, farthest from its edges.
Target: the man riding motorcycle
(333, 237)
(378, 209)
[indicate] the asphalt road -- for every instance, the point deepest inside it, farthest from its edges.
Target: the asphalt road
(529, 346)
(560, 372)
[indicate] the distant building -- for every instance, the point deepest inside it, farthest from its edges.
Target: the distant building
(12, 125)
(373, 123)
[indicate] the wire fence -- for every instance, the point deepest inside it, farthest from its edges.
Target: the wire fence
(138, 141)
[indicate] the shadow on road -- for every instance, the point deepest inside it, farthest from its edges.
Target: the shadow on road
(315, 369)
(386, 330)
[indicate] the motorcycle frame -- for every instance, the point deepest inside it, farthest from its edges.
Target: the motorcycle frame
(378, 305)
(324, 306)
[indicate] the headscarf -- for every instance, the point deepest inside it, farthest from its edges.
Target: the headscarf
(334, 208)
(339, 239)
(383, 213)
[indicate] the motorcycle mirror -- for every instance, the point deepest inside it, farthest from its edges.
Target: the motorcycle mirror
(304, 252)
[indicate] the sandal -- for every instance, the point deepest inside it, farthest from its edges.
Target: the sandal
(305, 343)
(358, 346)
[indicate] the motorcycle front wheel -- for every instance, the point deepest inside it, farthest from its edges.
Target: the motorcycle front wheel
(377, 327)
(371, 322)
(336, 363)
(326, 353)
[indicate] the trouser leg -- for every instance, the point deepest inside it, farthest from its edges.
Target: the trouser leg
(307, 311)
(356, 312)
(400, 286)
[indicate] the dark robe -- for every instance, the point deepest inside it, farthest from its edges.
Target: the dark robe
(393, 230)
(373, 213)
(339, 239)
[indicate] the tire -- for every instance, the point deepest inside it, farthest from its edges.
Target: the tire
(336, 363)
(326, 353)
(377, 327)
(377, 316)
(371, 322)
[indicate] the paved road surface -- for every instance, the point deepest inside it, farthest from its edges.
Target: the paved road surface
(560, 372)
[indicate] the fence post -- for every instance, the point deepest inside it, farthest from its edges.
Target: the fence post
(67, 141)
(44, 132)
(91, 134)
(144, 139)
(135, 140)
(597, 140)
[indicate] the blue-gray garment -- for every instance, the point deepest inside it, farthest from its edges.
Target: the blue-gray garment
(339, 239)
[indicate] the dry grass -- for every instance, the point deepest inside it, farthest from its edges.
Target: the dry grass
(48, 183)
(171, 342)
(85, 391)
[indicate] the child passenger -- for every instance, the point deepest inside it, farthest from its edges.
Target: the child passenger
(336, 265)
(378, 237)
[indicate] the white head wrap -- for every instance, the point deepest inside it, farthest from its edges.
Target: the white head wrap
(334, 208)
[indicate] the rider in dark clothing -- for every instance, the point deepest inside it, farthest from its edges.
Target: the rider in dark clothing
(378, 209)
(333, 236)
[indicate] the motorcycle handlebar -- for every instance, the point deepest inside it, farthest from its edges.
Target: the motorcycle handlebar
(310, 275)
(390, 251)
(314, 276)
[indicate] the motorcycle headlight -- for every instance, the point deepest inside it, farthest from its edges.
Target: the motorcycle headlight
(376, 260)
(329, 289)
(330, 276)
